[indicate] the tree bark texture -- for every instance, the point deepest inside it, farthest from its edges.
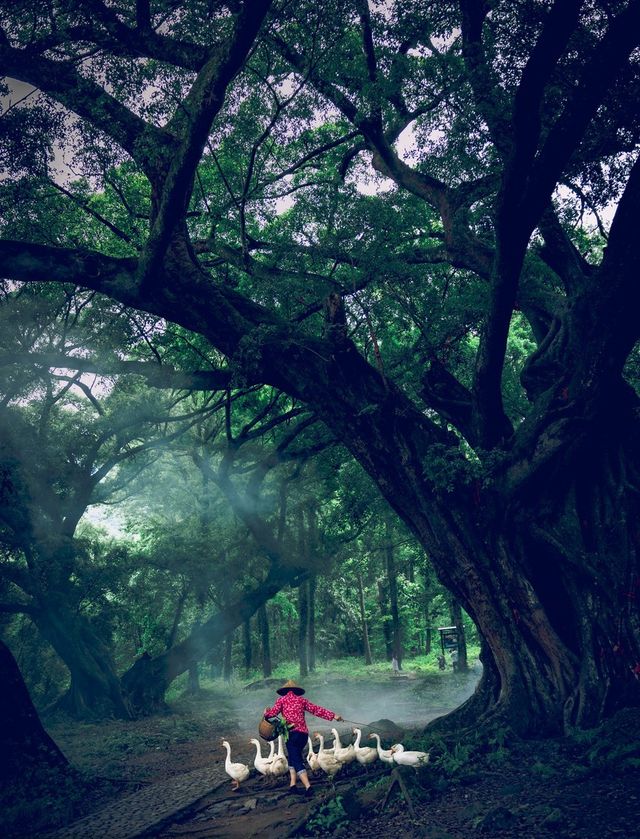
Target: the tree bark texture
(29, 757)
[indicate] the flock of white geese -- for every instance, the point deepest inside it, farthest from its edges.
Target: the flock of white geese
(328, 760)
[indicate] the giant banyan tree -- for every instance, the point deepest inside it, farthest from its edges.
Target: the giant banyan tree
(218, 152)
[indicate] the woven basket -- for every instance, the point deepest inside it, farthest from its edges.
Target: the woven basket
(267, 730)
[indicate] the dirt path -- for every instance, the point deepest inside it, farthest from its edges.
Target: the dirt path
(587, 789)
(186, 791)
(257, 812)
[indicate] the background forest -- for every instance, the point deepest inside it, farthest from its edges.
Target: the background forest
(170, 504)
(154, 508)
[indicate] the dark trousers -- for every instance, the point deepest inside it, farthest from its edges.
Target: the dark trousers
(295, 745)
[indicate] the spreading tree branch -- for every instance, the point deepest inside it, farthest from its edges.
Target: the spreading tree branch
(60, 79)
(192, 122)
(157, 375)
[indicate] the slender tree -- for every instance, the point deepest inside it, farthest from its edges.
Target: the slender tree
(311, 623)
(461, 649)
(368, 659)
(392, 582)
(247, 646)
(263, 622)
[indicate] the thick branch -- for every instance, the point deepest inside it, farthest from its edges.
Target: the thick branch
(367, 39)
(561, 254)
(526, 192)
(143, 41)
(193, 122)
(489, 97)
(60, 80)
(599, 75)
(31, 262)
(444, 393)
(551, 44)
(156, 375)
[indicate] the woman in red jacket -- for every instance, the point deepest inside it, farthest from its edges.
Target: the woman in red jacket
(293, 706)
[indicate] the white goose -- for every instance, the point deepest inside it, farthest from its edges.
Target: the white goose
(238, 772)
(345, 754)
(364, 754)
(262, 764)
(279, 764)
(312, 757)
(385, 755)
(405, 758)
(326, 761)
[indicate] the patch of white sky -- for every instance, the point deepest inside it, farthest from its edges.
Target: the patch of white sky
(108, 518)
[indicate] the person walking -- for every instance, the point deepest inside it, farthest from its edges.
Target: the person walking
(293, 706)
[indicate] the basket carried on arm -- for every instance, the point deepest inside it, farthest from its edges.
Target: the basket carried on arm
(271, 727)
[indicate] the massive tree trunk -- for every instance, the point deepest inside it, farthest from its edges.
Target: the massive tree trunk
(95, 689)
(32, 765)
(553, 589)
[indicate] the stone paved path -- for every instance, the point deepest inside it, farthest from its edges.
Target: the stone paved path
(146, 809)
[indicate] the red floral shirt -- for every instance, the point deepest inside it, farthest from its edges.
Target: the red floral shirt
(293, 707)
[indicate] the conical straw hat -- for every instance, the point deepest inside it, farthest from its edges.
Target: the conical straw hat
(290, 685)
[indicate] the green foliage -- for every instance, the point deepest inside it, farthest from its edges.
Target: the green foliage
(543, 770)
(606, 755)
(453, 761)
(497, 745)
(327, 818)
(281, 727)
(448, 468)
